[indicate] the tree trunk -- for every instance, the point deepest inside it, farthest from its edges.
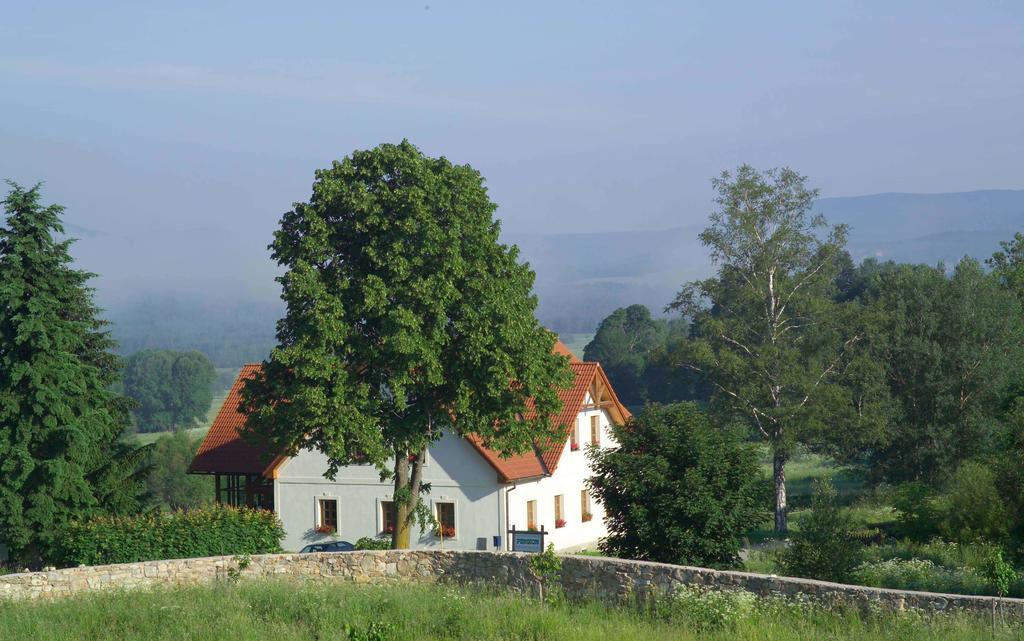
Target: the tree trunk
(403, 509)
(779, 476)
(408, 479)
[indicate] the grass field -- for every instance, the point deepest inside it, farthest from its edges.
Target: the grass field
(577, 342)
(252, 611)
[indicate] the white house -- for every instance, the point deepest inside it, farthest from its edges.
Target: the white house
(476, 495)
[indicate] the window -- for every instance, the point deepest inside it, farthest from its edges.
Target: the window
(444, 512)
(388, 517)
(531, 515)
(595, 430)
(251, 490)
(559, 516)
(327, 516)
(585, 506)
(574, 437)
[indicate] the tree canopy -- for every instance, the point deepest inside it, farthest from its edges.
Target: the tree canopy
(630, 346)
(405, 318)
(677, 489)
(60, 423)
(171, 389)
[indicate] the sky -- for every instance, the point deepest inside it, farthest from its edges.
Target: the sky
(183, 130)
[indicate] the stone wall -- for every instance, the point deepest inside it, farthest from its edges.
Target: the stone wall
(609, 580)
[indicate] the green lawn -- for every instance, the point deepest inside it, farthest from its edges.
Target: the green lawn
(197, 432)
(282, 611)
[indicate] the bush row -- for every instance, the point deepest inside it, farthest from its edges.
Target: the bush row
(208, 531)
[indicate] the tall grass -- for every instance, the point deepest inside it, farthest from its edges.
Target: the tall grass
(284, 611)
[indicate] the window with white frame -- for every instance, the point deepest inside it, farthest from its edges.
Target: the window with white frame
(388, 517)
(444, 512)
(327, 515)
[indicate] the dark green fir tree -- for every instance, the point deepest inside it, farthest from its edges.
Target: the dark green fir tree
(61, 457)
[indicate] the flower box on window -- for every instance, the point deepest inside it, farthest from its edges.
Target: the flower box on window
(587, 517)
(325, 529)
(560, 523)
(389, 529)
(445, 532)
(574, 447)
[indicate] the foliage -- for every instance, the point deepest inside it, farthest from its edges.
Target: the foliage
(168, 482)
(823, 548)
(630, 345)
(919, 574)
(920, 514)
(60, 424)
(953, 348)
(676, 489)
(171, 389)
(373, 543)
(547, 567)
(973, 509)
(1000, 573)
(1008, 264)
(209, 531)
(706, 609)
(404, 312)
(257, 610)
(768, 334)
(374, 631)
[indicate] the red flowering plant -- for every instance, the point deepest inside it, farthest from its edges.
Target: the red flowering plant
(389, 529)
(574, 446)
(446, 532)
(325, 529)
(560, 523)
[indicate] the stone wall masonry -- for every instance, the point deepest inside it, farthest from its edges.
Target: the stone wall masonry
(583, 577)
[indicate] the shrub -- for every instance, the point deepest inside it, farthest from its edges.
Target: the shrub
(919, 515)
(824, 547)
(974, 508)
(677, 489)
(373, 543)
(209, 531)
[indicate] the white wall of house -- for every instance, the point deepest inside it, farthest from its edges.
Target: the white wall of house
(456, 472)
(568, 482)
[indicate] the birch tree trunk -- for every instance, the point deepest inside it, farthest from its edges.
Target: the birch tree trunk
(779, 477)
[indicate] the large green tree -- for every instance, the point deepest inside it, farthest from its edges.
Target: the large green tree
(406, 318)
(676, 489)
(951, 346)
(60, 423)
(171, 389)
(769, 335)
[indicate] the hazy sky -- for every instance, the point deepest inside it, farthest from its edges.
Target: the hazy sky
(180, 118)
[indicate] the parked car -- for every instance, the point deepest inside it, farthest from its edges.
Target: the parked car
(330, 546)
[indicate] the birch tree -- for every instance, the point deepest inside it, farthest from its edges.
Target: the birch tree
(768, 335)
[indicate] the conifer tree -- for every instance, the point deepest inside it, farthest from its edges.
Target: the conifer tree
(60, 423)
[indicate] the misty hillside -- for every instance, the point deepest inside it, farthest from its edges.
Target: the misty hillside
(581, 277)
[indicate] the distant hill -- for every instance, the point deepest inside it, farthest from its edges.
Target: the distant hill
(583, 277)
(216, 293)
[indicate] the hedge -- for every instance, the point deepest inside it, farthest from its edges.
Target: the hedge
(209, 531)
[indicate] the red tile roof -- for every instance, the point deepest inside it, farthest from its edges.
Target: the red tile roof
(224, 452)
